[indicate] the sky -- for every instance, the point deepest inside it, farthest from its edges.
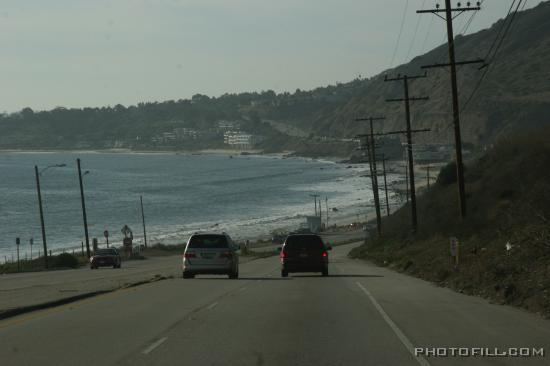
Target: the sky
(88, 53)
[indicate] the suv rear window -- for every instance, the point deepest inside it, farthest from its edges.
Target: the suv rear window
(208, 241)
(106, 252)
(307, 242)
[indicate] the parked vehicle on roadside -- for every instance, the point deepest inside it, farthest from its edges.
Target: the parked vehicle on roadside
(210, 253)
(304, 253)
(105, 258)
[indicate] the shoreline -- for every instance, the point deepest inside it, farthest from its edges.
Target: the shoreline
(347, 213)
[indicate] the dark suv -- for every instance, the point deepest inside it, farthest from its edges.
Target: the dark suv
(304, 253)
(105, 258)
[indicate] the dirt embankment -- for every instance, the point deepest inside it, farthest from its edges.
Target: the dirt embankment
(504, 240)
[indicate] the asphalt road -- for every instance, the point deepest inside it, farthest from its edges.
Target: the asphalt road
(360, 315)
(19, 290)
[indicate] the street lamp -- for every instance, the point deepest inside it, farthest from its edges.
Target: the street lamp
(38, 173)
(83, 206)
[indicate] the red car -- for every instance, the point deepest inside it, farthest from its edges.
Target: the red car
(105, 258)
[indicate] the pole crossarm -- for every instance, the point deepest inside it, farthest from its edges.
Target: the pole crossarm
(412, 99)
(435, 11)
(400, 77)
(478, 61)
(370, 119)
(402, 131)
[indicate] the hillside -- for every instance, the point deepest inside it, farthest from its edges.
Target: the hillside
(505, 239)
(515, 95)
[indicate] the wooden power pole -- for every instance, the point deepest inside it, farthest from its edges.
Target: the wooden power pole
(407, 99)
(371, 149)
(449, 10)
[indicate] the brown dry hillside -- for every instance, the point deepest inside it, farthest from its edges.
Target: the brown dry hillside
(508, 203)
(514, 95)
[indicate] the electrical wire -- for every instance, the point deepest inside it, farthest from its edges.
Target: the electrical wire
(415, 32)
(506, 28)
(400, 33)
(427, 35)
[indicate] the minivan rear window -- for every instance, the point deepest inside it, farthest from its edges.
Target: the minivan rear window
(304, 242)
(208, 241)
(106, 252)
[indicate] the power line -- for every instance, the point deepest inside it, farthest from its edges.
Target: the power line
(400, 33)
(427, 34)
(414, 34)
(500, 31)
(487, 66)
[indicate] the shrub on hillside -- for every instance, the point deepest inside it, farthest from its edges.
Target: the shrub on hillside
(65, 260)
(447, 175)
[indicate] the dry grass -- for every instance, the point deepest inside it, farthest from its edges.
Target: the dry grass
(508, 196)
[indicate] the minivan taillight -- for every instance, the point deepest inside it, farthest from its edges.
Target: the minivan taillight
(325, 254)
(226, 255)
(189, 255)
(283, 254)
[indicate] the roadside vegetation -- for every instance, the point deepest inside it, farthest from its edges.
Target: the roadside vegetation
(55, 262)
(505, 239)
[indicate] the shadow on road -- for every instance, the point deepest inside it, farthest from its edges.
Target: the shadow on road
(340, 275)
(244, 278)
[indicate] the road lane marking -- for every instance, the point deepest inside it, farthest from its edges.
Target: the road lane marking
(402, 337)
(152, 347)
(211, 306)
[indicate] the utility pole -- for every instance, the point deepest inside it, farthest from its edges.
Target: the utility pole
(83, 209)
(315, 199)
(326, 203)
(17, 243)
(374, 181)
(143, 221)
(406, 180)
(371, 148)
(454, 87)
(385, 185)
(408, 133)
(428, 175)
(41, 217)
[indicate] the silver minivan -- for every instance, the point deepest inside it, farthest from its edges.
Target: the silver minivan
(210, 253)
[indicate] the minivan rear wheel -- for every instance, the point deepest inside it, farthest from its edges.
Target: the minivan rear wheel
(284, 273)
(233, 275)
(325, 272)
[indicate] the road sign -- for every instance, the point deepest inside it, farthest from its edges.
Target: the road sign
(31, 241)
(106, 233)
(17, 241)
(454, 246)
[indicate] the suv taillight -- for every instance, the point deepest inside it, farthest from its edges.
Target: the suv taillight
(189, 255)
(283, 254)
(325, 254)
(226, 255)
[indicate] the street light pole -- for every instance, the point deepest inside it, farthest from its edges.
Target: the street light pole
(143, 221)
(41, 216)
(83, 209)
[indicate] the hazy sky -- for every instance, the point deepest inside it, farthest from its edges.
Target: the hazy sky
(77, 53)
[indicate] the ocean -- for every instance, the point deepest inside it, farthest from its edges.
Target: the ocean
(246, 196)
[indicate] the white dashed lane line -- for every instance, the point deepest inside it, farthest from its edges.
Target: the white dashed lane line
(154, 345)
(402, 337)
(211, 306)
